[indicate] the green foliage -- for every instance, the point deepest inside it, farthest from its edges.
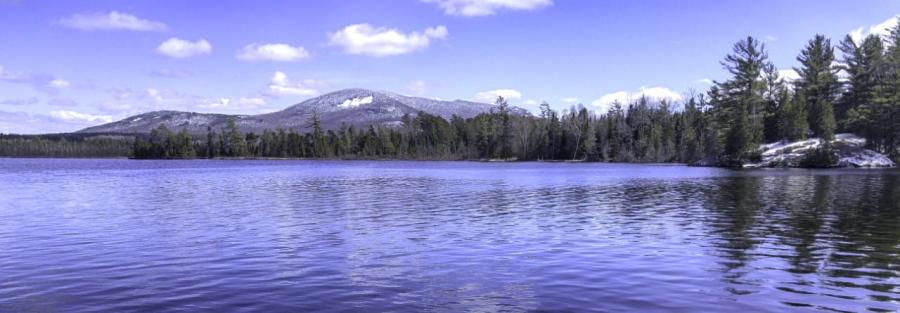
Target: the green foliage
(819, 85)
(641, 132)
(164, 144)
(738, 103)
(821, 157)
(792, 120)
(66, 145)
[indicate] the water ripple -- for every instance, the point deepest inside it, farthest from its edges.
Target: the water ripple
(119, 235)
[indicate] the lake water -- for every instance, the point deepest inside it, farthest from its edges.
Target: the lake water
(269, 236)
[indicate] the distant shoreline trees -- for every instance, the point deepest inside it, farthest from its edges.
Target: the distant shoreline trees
(858, 93)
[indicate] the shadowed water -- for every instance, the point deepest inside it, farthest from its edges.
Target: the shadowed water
(123, 235)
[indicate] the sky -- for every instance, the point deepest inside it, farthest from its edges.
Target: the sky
(66, 65)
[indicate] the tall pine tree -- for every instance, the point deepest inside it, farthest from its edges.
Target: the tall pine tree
(819, 86)
(738, 102)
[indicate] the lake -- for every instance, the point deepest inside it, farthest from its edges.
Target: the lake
(240, 236)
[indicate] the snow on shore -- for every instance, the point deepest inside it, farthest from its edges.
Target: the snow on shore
(849, 148)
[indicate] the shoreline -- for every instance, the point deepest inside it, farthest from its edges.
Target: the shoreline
(453, 160)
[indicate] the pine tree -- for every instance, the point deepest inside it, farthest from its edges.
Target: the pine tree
(318, 137)
(236, 141)
(586, 146)
(738, 102)
(505, 132)
(210, 143)
(819, 84)
(890, 109)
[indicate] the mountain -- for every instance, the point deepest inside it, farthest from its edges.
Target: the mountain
(358, 107)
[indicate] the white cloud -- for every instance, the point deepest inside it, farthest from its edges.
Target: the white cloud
(490, 96)
(242, 103)
(788, 75)
(111, 21)
(126, 102)
(705, 81)
(272, 52)
(487, 7)
(41, 82)
(281, 85)
(417, 87)
(59, 83)
(180, 48)
(531, 102)
(881, 29)
(73, 116)
(364, 39)
(605, 102)
(47, 123)
(24, 123)
(570, 100)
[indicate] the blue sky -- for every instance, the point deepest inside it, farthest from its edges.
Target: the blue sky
(65, 65)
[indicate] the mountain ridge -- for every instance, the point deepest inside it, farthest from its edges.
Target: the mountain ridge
(354, 106)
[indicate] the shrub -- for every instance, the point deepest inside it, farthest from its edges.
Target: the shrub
(822, 157)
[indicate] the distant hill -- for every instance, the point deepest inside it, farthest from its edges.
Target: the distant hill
(358, 107)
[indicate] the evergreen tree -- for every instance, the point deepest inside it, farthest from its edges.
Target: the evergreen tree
(210, 143)
(819, 85)
(318, 137)
(738, 102)
(236, 141)
(505, 131)
(792, 120)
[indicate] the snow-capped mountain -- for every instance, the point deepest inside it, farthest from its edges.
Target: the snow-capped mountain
(358, 107)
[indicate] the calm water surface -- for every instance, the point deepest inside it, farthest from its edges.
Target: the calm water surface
(221, 236)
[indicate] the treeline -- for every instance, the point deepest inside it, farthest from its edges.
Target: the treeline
(641, 132)
(65, 145)
(724, 126)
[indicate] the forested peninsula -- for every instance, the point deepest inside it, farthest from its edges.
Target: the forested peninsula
(855, 92)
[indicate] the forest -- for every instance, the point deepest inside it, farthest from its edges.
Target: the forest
(857, 91)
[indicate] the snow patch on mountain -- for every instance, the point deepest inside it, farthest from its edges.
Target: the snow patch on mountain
(355, 102)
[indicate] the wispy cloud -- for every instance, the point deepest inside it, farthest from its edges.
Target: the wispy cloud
(242, 103)
(125, 102)
(490, 96)
(25, 123)
(111, 21)
(172, 73)
(281, 85)
(364, 39)
(62, 102)
(19, 102)
(272, 52)
(487, 7)
(180, 48)
(72, 116)
(418, 87)
(41, 82)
